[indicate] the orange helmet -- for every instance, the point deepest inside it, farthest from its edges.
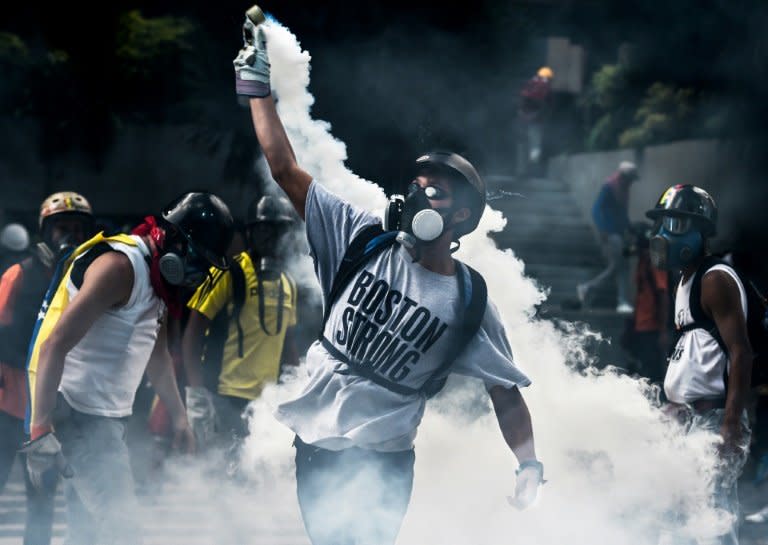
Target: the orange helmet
(64, 202)
(545, 72)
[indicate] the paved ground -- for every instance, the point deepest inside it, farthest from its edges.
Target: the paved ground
(181, 515)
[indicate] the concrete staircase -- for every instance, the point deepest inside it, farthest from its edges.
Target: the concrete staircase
(548, 232)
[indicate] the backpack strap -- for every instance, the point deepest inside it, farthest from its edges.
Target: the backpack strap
(700, 318)
(371, 241)
(81, 265)
(238, 300)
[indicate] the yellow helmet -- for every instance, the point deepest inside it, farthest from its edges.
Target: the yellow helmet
(64, 202)
(545, 72)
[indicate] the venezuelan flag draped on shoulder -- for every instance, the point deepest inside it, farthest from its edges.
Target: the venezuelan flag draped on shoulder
(55, 301)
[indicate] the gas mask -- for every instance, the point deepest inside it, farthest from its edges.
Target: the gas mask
(414, 217)
(186, 269)
(265, 239)
(50, 253)
(676, 243)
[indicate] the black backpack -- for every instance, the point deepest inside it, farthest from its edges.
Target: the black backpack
(371, 241)
(757, 307)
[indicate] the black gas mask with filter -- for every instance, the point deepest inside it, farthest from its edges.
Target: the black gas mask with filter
(198, 230)
(182, 266)
(268, 223)
(413, 216)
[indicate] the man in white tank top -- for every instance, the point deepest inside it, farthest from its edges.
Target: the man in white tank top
(710, 366)
(101, 326)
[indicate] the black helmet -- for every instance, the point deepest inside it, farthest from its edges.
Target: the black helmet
(457, 167)
(688, 201)
(269, 209)
(206, 224)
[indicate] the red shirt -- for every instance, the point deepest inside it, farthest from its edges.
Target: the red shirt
(648, 294)
(13, 381)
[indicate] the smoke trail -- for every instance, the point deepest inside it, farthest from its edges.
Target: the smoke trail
(615, 468)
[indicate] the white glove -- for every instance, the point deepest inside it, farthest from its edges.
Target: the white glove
(45, 461)
(530, 475)
(201, 414)
(252, 63)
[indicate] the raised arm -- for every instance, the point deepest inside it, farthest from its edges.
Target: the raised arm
(252, 80)
(277, 149)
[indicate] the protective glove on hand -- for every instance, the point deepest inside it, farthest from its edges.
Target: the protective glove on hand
(252, 69)
(45, 461)
(530, 475)
(201, 414)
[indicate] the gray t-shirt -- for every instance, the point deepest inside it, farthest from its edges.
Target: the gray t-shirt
(396, 317)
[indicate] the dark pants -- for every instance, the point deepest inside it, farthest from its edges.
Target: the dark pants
(229, 410)
(649, 352)
(39, 503)
(353, 496)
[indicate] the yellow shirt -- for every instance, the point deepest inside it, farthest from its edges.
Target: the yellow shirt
(245, 377)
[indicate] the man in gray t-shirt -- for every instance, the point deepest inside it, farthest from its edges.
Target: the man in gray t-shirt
(397, 315)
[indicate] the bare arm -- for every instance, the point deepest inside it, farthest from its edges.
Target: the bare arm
(514, 421)
(163, 379)
(279, 153)
(107, 283)
(720, 299)
(192, 347)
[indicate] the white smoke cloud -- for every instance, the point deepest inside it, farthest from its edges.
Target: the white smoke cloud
(615, 468)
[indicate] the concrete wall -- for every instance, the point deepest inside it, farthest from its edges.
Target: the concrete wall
(144, 168)
(714, 165)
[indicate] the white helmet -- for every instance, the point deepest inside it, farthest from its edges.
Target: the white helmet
(14, 237)
(628, 169)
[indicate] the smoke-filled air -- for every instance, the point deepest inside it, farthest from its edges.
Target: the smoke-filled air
(617, 472)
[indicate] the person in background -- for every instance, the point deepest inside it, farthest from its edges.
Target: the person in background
(648, 339)
(240, 330)
(610, 213)
(104, 323)
(65, 221)
(14, 243)
(534, 104)
(708, 379)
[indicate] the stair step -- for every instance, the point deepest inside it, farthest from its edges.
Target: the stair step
(511, 183)
(551, 251)
(542, 216)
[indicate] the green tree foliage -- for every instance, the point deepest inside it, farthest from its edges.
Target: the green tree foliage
(13, 50)
(146, 45)
(664, 114)
(624, 118)
(607, 101)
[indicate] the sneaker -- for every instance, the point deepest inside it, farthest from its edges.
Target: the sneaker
(761, 473)
(625, 308)
(581, 293)
(759, 517)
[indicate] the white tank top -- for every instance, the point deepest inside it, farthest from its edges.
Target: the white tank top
(698, 365)
(103, 371)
